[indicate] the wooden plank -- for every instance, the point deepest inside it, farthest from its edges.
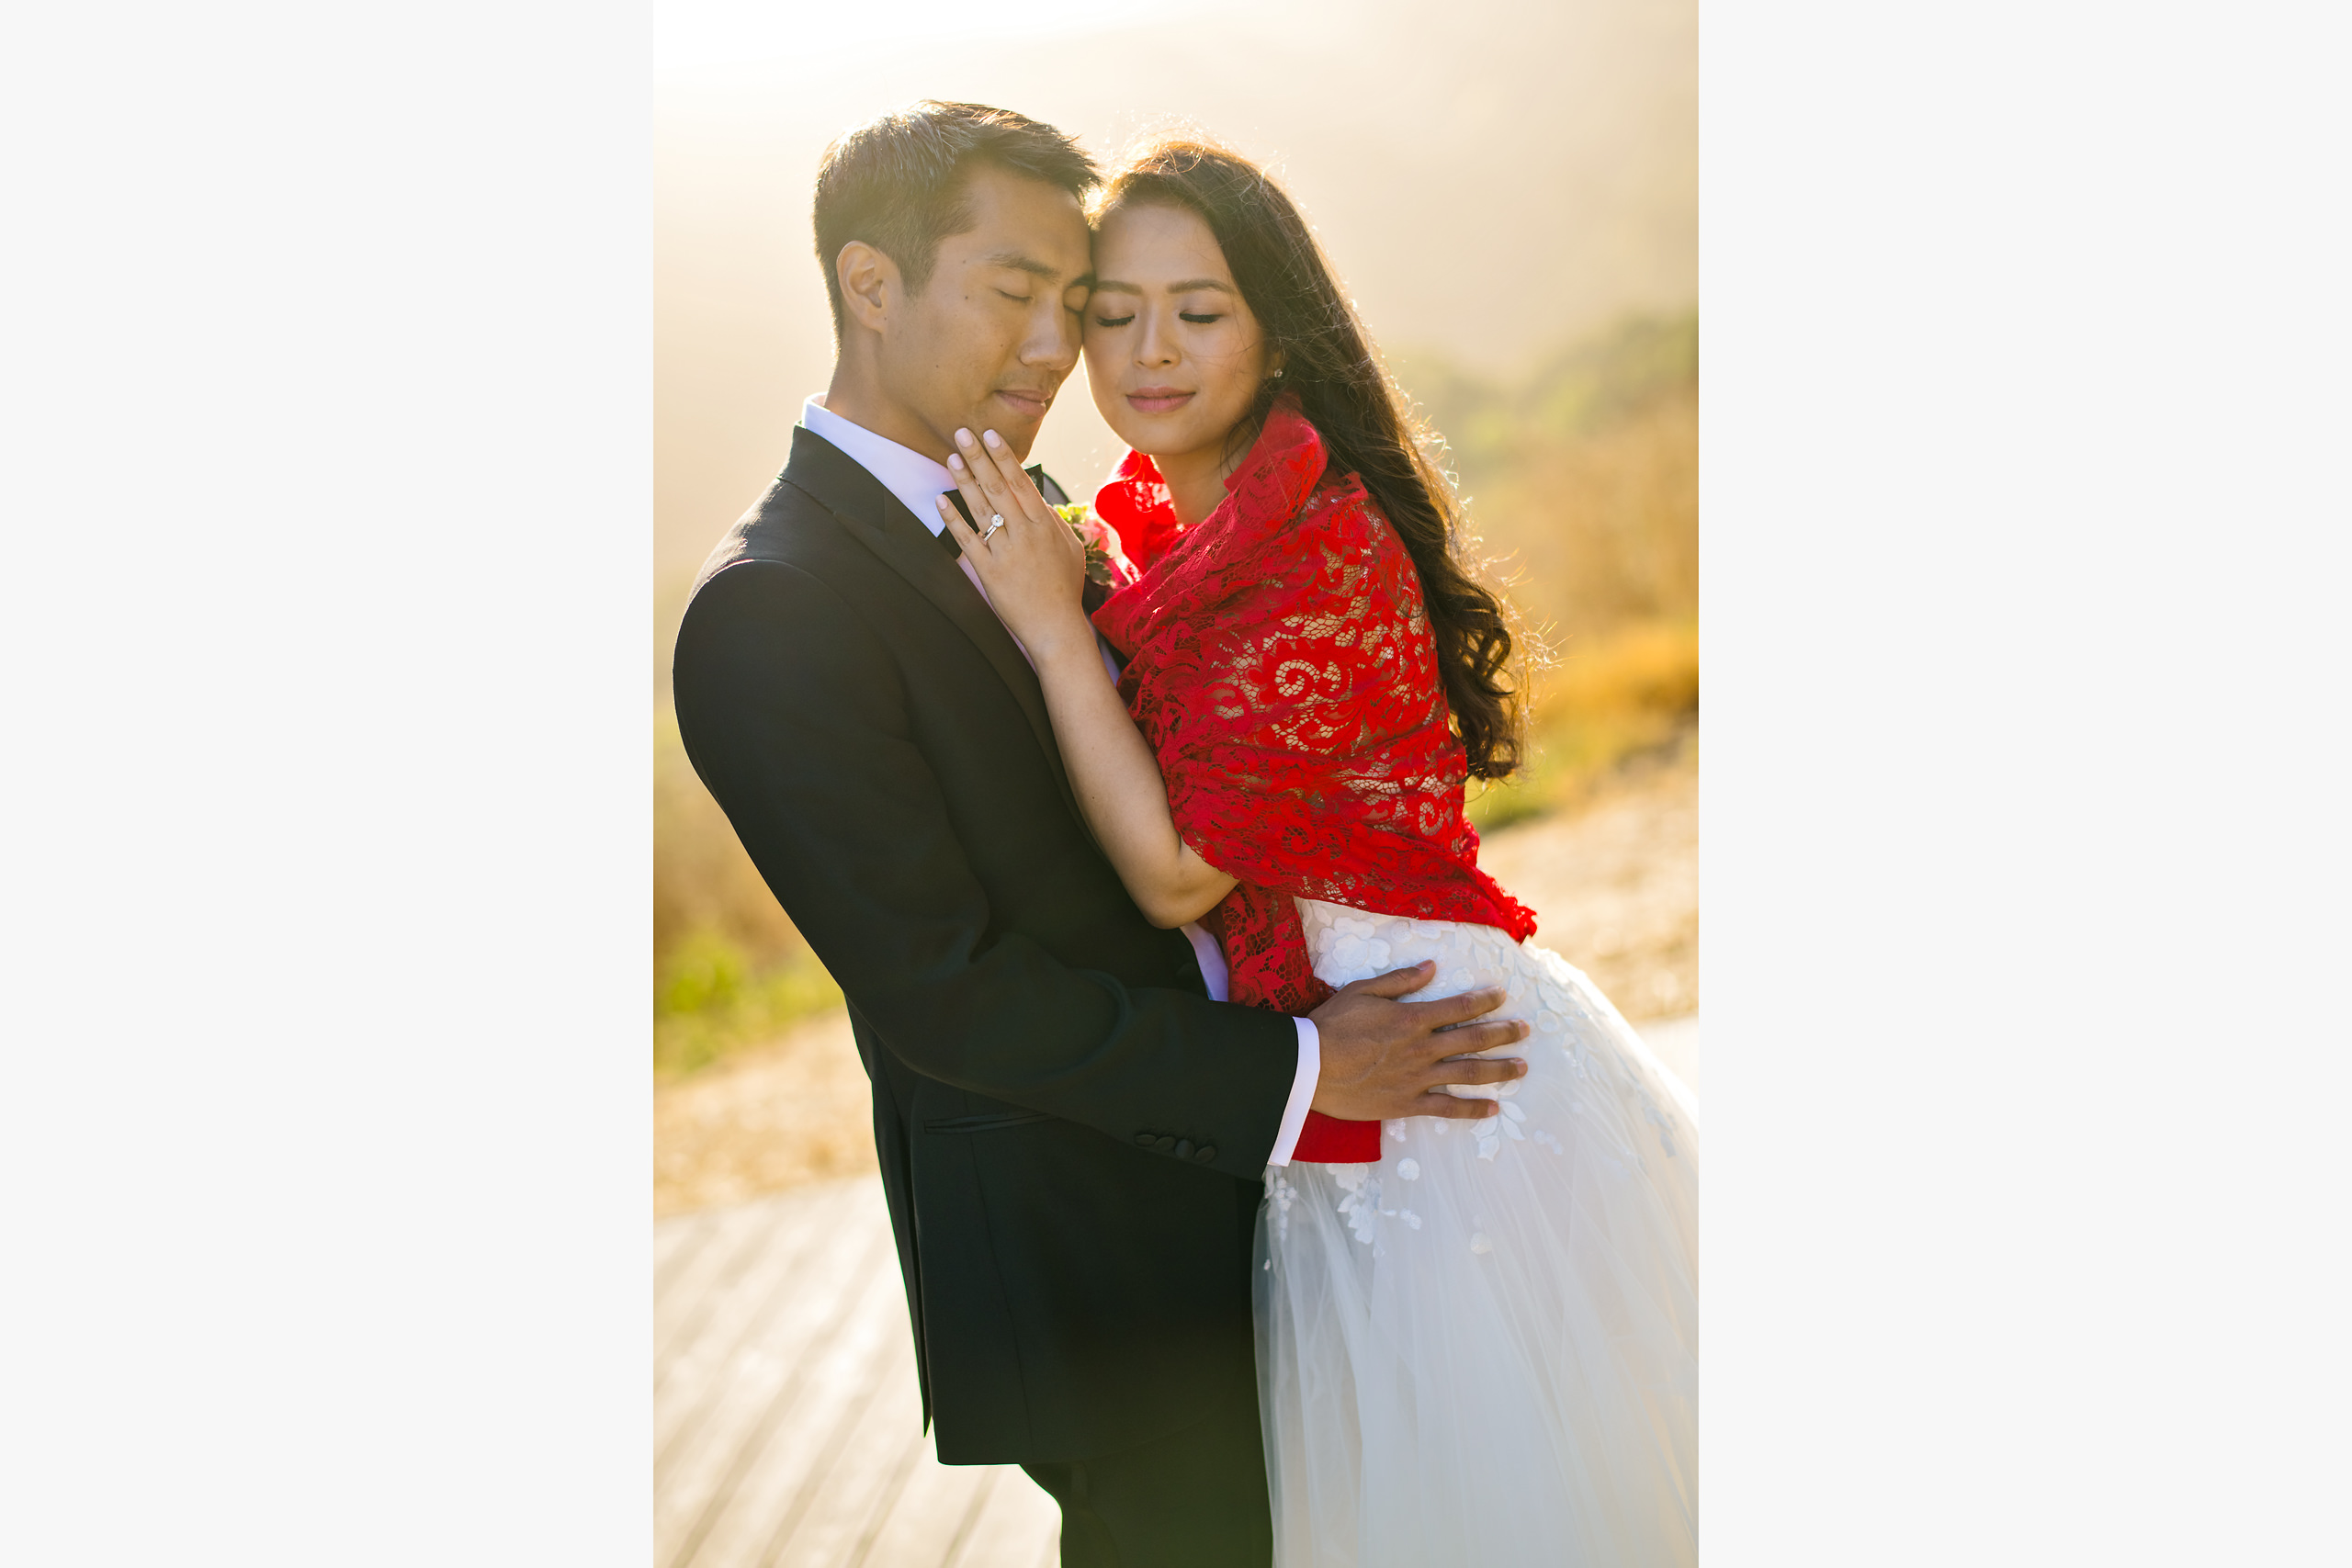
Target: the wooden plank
(937, 1517)
(726, 1396)
(672, 1239)
(914, 1452)
(765, 1217)
(991, 1477)
(796, 1355)
(734, 1239)
(775, 1465)
(712, 1331)
(694, 1232)
(931, 1517)
(856, 1473)
(788, 1425)
(1019, 1527)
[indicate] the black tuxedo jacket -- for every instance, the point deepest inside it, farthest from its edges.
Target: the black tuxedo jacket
(1070, 1131)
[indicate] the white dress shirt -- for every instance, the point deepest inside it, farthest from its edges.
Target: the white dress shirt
(918, 481)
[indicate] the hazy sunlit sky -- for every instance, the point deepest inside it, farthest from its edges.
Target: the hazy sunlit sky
(1491, 179)
(688, 33)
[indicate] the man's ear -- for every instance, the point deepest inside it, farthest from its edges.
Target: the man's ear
(870, 285)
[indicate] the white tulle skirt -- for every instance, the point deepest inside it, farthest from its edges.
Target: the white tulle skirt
(1483, 1349)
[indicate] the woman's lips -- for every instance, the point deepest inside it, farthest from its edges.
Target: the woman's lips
(1158, 399)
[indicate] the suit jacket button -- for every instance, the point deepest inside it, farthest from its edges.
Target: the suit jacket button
(1163, 1144)
(1143, 1140)
(1184, 1148)
(1205, 1153)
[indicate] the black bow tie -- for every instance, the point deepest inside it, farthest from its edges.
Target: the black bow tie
(1037, 476)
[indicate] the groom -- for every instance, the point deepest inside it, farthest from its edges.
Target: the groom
(1071, 1130)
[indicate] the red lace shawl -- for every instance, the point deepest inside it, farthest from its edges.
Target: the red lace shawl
(1282, 666)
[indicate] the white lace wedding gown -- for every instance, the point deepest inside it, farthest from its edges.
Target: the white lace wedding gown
(1483, 1348)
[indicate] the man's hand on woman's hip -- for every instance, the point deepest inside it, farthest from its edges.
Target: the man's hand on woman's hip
(1384, 1058)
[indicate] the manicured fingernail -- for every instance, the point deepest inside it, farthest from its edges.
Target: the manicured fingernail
(963, 438)
(991, 438)
(954, 461)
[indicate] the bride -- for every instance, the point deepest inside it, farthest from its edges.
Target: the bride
(1478, 1340)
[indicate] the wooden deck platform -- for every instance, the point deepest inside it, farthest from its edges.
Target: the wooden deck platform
(786, 1429)
(787, 1432)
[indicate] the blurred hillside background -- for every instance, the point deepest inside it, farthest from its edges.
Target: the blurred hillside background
(1509, 191)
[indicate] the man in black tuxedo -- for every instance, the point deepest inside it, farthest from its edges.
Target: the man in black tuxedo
(1071, 1132)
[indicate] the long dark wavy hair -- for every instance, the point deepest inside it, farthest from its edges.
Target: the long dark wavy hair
(1353, 403)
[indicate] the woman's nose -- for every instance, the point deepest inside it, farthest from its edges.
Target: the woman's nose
(1155, 348)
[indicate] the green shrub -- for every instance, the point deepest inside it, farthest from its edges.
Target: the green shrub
(730, 969)
(709, 1002)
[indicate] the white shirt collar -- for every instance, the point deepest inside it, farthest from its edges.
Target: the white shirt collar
(906, 473)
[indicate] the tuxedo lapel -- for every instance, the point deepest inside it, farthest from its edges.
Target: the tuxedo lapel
(877, 519)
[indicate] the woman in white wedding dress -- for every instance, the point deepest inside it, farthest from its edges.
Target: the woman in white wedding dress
(1477, 1338)
(1489, 1337)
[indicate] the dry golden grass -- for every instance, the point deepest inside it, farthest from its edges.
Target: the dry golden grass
(1627, 694)
(1600, 530)
(1582, 492)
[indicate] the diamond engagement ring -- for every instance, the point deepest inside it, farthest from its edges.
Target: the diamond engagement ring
(995, 522)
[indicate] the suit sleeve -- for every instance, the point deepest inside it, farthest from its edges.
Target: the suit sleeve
(793, 714)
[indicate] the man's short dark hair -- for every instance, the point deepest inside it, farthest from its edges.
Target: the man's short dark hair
(898, 183)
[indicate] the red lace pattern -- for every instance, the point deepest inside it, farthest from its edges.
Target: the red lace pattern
(1282, 666)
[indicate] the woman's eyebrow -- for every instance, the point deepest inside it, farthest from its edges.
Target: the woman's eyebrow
(1111, 286)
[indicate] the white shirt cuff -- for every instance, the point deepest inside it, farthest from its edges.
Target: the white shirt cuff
(1302, 1091)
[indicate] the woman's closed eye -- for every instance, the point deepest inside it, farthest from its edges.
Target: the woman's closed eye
(1199, 319)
